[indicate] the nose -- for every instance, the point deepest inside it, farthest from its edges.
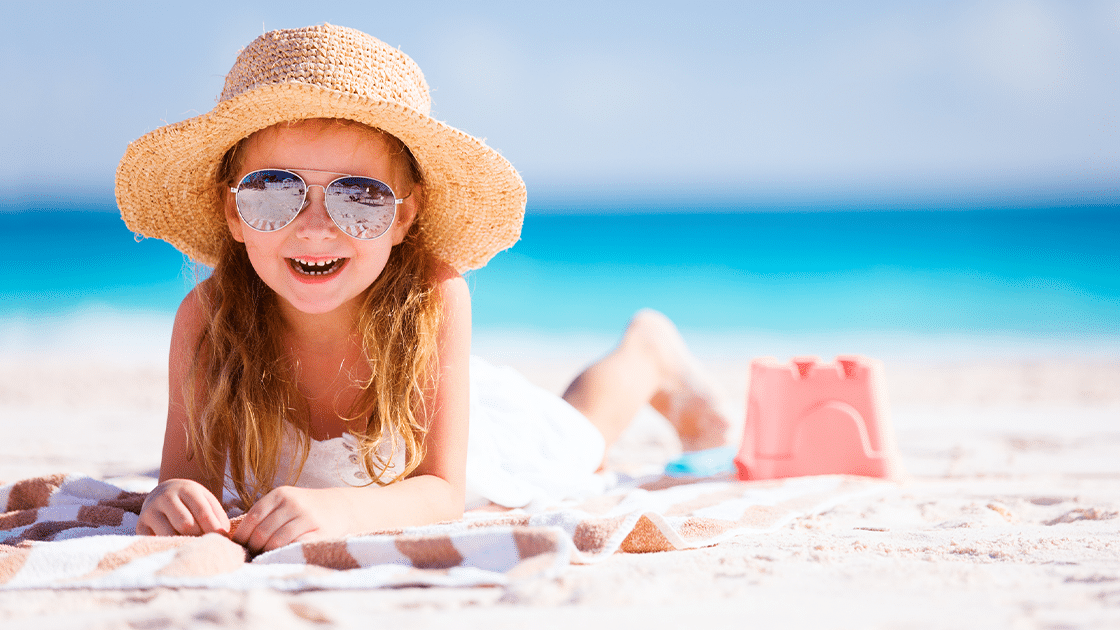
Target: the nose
(314, 222)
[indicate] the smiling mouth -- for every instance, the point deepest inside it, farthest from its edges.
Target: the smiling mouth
(318, 267)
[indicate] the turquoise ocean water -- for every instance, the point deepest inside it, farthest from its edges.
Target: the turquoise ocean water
(1039, 272)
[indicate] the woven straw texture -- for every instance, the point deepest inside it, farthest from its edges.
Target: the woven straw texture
(167, 185)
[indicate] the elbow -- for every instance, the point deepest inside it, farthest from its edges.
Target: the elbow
(445, 499)
(456, 501)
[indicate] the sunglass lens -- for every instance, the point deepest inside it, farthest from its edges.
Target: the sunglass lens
(268, 200)
(361, 206)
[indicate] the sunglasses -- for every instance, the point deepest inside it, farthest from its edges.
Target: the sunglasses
(271, 198)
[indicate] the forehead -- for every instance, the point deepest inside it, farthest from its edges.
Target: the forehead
(303, 134)
(325, 145)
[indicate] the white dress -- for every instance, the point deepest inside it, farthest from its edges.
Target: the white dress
(528, 448)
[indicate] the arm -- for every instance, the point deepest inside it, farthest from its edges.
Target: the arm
(185, 501)
(434, 492)
(445, 460)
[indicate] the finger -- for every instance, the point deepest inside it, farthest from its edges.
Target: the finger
(224, 525)
(208, 516)
(297, 529)
(310, 536)
(155, 523)
(179, 518)
(247, 526)
(254, 527)
(264, 533)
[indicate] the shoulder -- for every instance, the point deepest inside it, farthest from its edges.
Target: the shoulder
(190, 320)
(455, 304)
(451, 287)
(192, 310)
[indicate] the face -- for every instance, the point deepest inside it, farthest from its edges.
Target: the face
(313, 266)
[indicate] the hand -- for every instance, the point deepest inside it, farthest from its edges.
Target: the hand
(181, 507)
(289, 514)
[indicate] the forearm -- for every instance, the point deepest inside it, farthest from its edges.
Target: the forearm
(418, 500)
(289, 514)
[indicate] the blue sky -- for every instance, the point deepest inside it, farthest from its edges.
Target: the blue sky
(863, 102)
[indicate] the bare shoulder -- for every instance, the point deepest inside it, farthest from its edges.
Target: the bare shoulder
(190, 321)
(191, 310)
(455, 329)
(177, 463)
(446, 273)
(452, 291)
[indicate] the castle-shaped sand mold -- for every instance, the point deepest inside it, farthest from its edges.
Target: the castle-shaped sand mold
(812, 418)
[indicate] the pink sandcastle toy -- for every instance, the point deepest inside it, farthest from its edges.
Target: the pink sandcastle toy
(813, 418)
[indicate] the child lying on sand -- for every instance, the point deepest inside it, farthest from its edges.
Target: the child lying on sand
(323, 372)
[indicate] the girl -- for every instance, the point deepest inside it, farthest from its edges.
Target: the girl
(322, 373)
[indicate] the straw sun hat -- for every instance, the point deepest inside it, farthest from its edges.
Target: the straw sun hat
(167, 184)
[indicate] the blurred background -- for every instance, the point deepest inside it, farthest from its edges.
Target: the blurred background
(865, 171)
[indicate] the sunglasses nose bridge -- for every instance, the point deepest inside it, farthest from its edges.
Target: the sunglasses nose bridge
(317, 218)
(307, 193)
(321, 196)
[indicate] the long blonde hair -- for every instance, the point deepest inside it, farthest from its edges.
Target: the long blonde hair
(242, 395)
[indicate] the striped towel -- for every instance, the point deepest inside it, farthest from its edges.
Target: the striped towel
(71, 531)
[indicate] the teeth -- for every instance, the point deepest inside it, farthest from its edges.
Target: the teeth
(322, 263)
(316, 268)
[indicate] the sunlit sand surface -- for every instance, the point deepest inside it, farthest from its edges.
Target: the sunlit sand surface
(1009, 519)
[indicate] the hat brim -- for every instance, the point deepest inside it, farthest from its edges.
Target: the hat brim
(167, 186)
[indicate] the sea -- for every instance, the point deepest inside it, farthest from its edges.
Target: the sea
(1048, 274)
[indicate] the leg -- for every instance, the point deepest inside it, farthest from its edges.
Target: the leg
(650, 365)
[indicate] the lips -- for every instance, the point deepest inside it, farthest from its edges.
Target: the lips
(317, 268)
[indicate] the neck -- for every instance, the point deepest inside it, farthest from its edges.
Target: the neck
(327, 358)
(324, 331)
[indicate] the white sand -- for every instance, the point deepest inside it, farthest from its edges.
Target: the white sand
(1010, 519)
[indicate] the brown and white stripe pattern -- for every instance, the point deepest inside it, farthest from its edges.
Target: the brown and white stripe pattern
(76, 532)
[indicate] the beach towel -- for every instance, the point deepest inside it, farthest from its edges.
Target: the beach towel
(72, 531)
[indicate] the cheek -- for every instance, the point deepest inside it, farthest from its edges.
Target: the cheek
(374, 260)
(262, 253)
(397, 233)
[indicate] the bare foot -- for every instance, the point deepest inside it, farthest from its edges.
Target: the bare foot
(687, 397)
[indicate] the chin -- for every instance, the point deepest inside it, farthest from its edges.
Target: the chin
(314, 307)
(317, 309)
